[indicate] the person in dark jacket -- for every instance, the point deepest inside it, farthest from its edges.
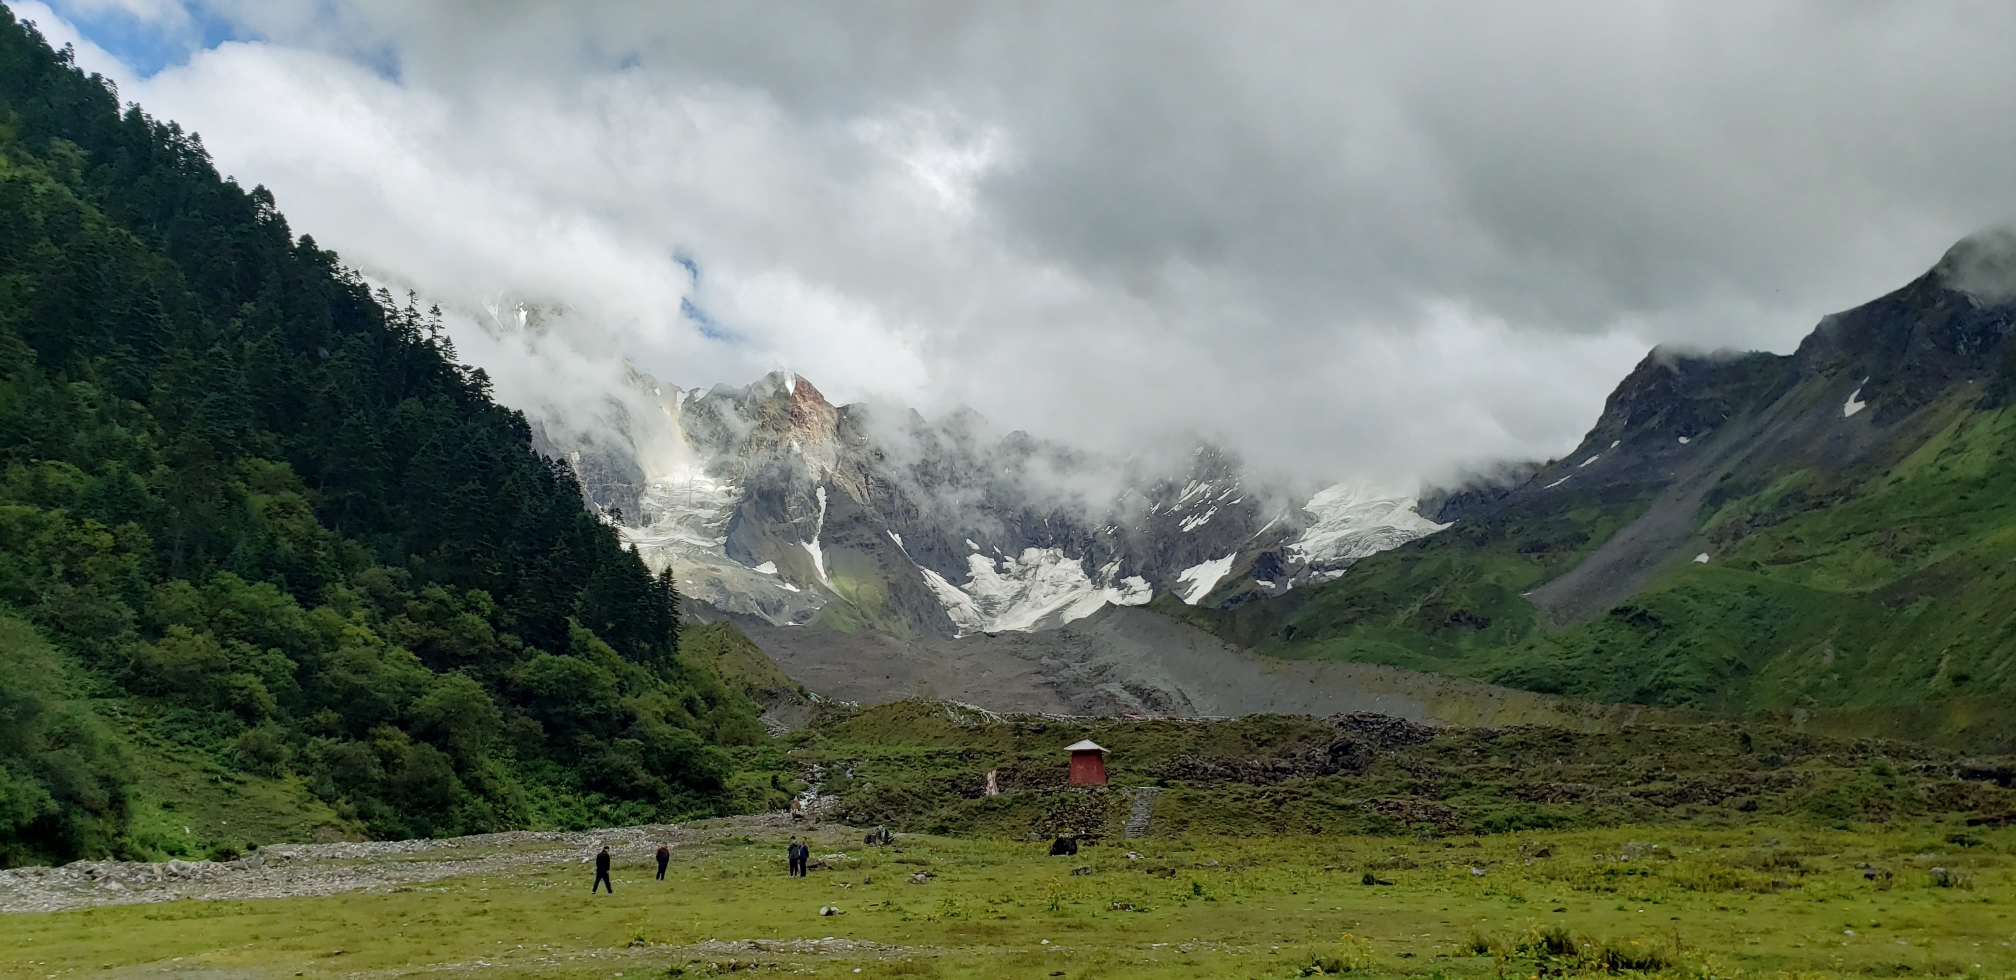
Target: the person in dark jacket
(602, 873)
(797, 854)
(664, 858)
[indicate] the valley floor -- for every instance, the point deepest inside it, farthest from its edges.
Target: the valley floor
(1774, 898)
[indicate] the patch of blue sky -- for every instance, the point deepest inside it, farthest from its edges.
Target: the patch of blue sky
(148, 44)
(706, 325)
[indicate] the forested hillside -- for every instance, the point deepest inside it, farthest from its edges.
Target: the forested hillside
(255, 519)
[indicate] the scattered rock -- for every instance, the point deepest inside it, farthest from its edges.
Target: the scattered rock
(1080, 871)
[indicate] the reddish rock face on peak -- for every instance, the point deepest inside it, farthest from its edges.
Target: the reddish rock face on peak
(812, 416)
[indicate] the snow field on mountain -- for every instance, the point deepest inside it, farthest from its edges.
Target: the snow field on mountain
(1040, 589)
(1201, 578)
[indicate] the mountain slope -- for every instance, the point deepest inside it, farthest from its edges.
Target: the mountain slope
(265, 546)
(1824, 536)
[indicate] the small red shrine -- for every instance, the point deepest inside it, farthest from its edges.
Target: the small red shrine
(1088, 763)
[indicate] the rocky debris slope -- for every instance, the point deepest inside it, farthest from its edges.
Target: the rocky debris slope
(1135, 662)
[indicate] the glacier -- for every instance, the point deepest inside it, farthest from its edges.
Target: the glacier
(1040, 589)
(1348, 523)
(686, 515)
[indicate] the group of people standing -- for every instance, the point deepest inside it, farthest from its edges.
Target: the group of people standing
(602, 868)
(798, 855)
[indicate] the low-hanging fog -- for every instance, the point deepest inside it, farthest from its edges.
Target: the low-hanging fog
(1351, 241)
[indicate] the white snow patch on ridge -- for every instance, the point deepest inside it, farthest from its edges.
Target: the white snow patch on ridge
(1040, 589)
(812, 547)
(1203, 577)
(1854, 403)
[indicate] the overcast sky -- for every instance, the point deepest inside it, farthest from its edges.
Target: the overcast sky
(1358, 241)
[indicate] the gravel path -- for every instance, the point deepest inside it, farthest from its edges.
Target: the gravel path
(298, 870)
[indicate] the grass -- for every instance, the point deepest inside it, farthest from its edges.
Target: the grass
(1701, 851)
(1775, 899)
(722, 650)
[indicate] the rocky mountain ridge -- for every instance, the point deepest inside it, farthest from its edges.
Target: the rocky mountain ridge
(771, 503)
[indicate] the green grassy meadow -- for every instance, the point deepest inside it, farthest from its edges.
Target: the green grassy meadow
(1775, 899)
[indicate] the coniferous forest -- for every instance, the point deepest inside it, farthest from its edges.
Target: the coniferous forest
(253, 511)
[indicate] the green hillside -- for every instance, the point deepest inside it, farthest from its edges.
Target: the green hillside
(1824, 538)
(267, 549)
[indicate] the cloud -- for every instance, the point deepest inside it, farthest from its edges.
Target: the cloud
(1351, 241)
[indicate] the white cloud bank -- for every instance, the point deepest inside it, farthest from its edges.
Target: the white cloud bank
(1355, 242)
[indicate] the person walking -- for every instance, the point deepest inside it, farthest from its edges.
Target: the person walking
(602, 872)
(664, 858)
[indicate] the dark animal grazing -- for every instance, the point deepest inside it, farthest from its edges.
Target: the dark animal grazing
(1064, 846)
(879, 837)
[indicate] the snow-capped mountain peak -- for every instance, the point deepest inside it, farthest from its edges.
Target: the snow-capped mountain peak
(769, 501)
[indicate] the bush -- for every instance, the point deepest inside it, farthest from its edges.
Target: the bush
(1617, 956)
